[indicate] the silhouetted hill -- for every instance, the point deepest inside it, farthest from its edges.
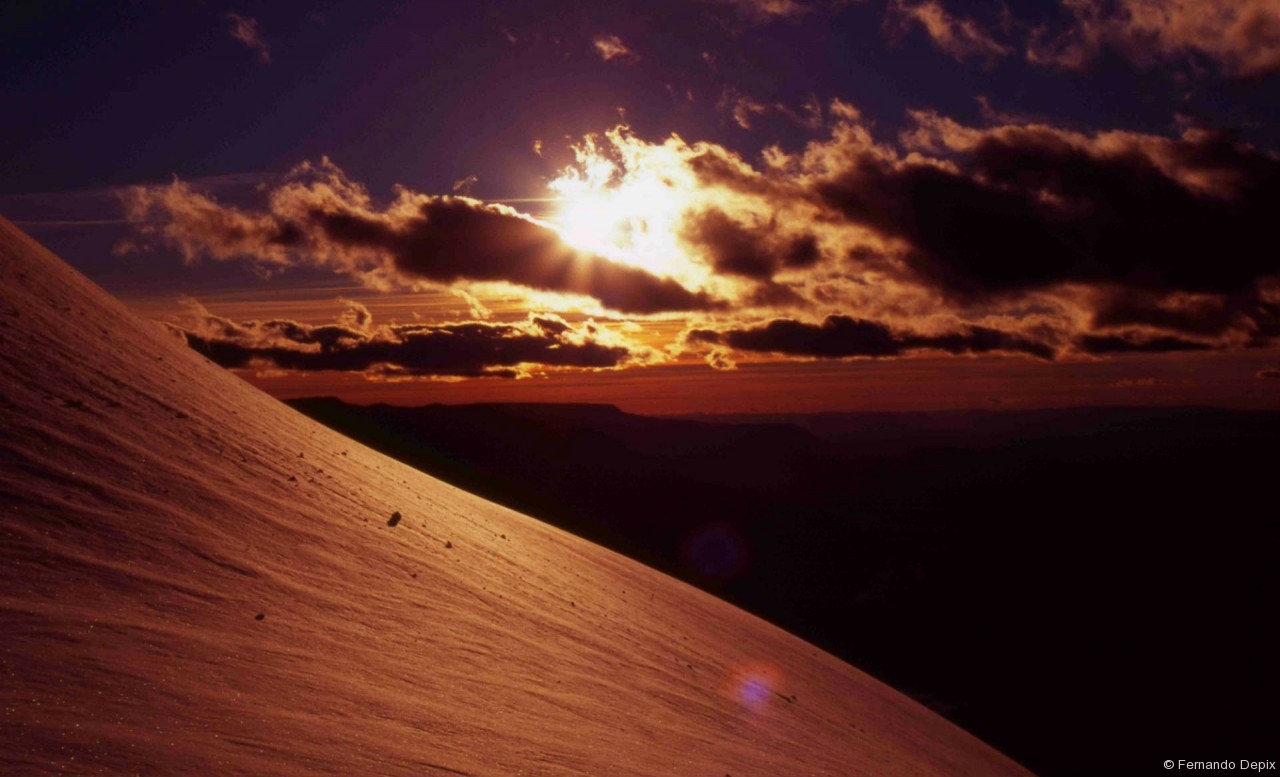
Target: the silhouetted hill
(1017, 570)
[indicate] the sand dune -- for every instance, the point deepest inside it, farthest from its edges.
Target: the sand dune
(199, 580)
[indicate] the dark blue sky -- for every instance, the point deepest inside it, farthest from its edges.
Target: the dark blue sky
(1060, 182)
(425, 94)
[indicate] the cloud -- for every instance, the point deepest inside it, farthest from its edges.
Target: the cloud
(1241, 37)
(1018, 227)
(1013, 208)
(745, 109)
(1269, 373)
(1109, 344)
(320, 218)
(756, 251)
(245, 29)
(843, 337)
(1200, 315)
(764, 11)
(611, 47)
(465, 349)
(741, 107)
(962, 39)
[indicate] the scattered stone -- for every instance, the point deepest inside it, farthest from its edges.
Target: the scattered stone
(293, 478)
(448, 544)
(260, 616)
(301, 455)
(395, 518)
(504, 536)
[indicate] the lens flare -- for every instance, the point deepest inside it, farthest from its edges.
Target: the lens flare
(755, 685)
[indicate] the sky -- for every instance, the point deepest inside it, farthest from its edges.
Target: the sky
(696, 206)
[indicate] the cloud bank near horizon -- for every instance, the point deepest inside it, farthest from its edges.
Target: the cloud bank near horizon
(1017, 237)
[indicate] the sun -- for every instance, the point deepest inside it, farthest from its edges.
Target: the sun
(622, 211)
(631, 223)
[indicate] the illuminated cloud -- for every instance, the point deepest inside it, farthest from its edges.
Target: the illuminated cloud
(944, 238)
(765, 11)
(962, 39)
(744, 109)
(245, 29)
(1241, 37)
(1014, 227)
(741, 107)
(611, 47)
(318, 217)
(465, 349)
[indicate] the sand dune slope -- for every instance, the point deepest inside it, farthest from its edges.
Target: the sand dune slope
(198, 580)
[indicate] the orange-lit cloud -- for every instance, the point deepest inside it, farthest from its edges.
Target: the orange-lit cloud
(744, 110)
(1241, 37)
(318, 217)
(1017, 238)
(962, 39)
(764, 11)
(460, 349)
(245, 29)
(950, 232)
(611, 48)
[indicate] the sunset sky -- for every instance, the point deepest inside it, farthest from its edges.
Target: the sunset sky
(715, 206)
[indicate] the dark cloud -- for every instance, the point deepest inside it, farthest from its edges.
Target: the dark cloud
(319, 217)
(750, 252)
(1111, 344)
(452, 239)
(1204, 315)
(839, 337)
(1019, 208)
(466, 349)
(1269, 373)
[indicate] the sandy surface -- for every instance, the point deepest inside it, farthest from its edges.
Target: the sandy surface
(199, 580)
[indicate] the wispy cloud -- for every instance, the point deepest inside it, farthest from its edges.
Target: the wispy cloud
(610, 48)
(764, 11)
(1241, 37)
(962, 39)
(245, 29)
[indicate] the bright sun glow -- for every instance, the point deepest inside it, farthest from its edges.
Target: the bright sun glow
(624, 207)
